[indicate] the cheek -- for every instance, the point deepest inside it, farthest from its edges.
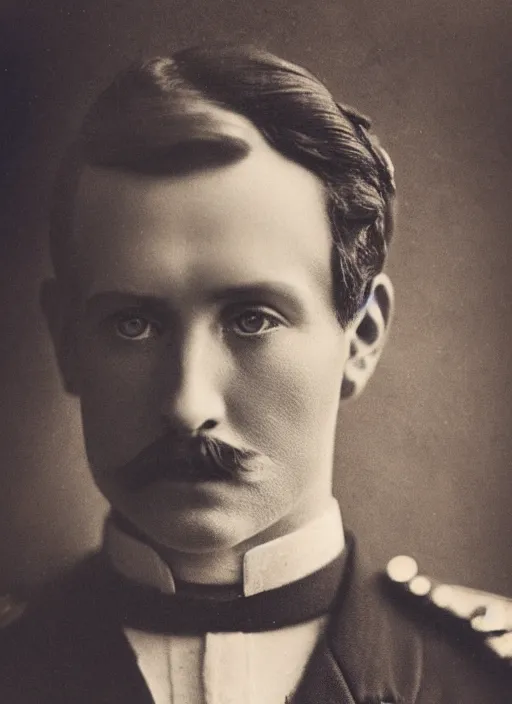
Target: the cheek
(115, 382)
(117, 402)
(290, 397)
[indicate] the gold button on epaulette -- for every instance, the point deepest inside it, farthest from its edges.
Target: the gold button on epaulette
(486, 613)
(10, 609)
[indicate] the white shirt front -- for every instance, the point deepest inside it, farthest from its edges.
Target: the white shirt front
(231, 668)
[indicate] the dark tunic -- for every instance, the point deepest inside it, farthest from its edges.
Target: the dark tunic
(71, 649)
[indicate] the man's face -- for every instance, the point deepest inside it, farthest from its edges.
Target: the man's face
(207, 308)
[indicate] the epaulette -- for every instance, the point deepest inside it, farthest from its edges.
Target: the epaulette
(487, 615)
(10, 609)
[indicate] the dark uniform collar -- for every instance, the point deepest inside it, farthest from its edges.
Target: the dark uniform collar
(369, 655)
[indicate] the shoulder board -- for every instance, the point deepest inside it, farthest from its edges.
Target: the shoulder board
(489, 615)
(10, 609)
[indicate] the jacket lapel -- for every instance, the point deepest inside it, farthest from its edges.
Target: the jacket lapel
(86, 631)
(323, 681)
(370, 655)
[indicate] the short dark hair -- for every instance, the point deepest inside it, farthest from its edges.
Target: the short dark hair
(149, 120)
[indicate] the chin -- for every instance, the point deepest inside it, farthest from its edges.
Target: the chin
(196, 519)
(196, 531)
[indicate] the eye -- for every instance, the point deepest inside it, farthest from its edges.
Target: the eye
(254, 322)
(133, 327)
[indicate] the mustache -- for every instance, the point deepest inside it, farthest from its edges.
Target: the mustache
(188, 459)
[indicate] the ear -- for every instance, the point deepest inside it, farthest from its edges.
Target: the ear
(367, 334)
(56, 305)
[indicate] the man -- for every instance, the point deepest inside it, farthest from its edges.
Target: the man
(218, 239)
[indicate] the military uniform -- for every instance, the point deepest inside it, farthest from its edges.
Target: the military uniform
(387, 642)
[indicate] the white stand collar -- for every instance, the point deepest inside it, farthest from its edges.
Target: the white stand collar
(268, 566)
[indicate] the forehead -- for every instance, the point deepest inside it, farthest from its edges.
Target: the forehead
(260, 215)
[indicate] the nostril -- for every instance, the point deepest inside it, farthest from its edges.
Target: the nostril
(208, 425)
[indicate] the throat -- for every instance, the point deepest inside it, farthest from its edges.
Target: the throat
(219, 568)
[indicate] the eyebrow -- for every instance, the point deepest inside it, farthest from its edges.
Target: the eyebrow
(109, 298)
(259, 290)
(242, 292)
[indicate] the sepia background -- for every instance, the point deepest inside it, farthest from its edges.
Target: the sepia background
(424, 458)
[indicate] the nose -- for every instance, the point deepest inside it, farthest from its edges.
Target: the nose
(193, 399)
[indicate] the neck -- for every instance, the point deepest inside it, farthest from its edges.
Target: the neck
(227, 566)
(224, 567)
